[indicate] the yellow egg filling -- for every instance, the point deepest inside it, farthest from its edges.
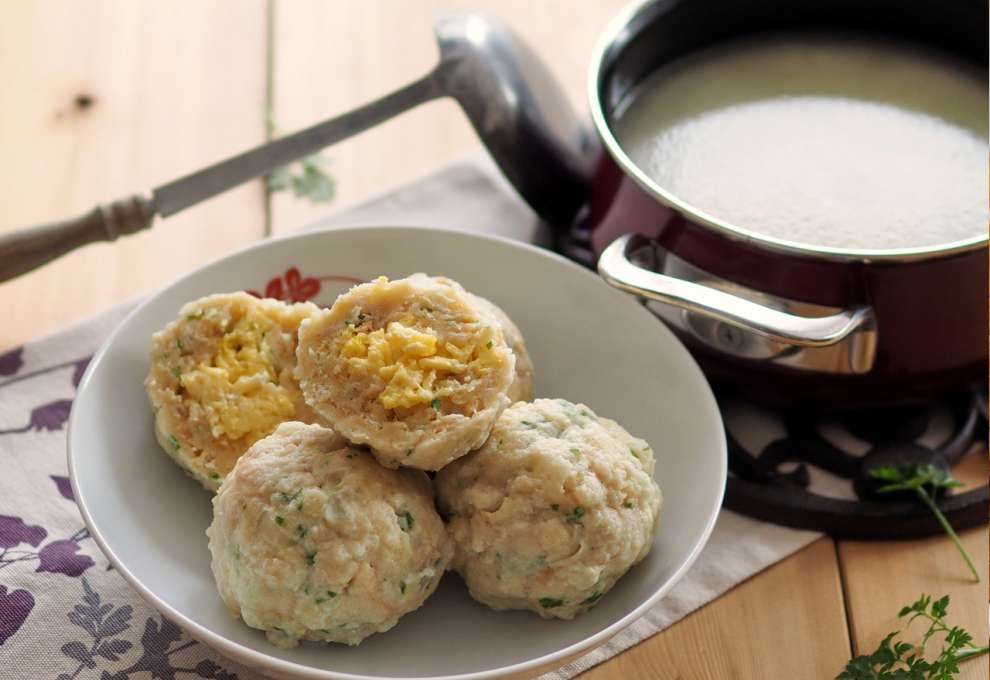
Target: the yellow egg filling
(239, 388)
(415, 366)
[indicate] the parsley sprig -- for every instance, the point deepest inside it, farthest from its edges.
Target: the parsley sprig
(306, 178)
(919, 478)
(898, 660)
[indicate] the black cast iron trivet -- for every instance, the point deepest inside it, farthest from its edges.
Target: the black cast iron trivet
(759, 487)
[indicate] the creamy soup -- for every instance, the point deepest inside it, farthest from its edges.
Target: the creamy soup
(828, 142)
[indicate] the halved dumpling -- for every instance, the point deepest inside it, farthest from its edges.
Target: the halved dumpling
(222, 377)
(415, 368)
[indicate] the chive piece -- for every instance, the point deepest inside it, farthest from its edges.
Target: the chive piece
(551, 602)
(576, 452)
(176, 371)
(576, 515)
(628, 504)
(301, 530)
(406, 521)
(311, 558)
(178, 343)
(174, 442)
(435, 404)
(402, 587)
(331, 594)
(555, 507)
(214, 475)
(408, 452)
(321, 600)
(490, 344)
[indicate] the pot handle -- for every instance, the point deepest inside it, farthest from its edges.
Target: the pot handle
(790, 329)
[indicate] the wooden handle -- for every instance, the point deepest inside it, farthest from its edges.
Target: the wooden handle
(25, 249)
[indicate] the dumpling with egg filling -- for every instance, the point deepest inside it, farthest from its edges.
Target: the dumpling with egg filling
(522, 385)
(222, 377)
(556, 506)
(313, 540)
(414, 368)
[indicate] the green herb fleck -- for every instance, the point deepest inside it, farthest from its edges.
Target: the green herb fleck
(198, 314)
(593, 598)
(634, 452)
(331, 594)
(311, 558)
(301, 530)
(551, 602)
(177, 372)
(405, 520)
(527, 423)
(178, 343)
(402, 587)
(214, 475)
(321, 600)
(555, 507)
(919, 478)
(489, 344)
(286, 498)
(498, 444)
(576, 452)
(435, 404)
(174, 442)
(628, 504)
(893, 659)
(408, 452)
(576, 515)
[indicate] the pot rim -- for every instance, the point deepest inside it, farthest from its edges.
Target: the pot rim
(620, 24)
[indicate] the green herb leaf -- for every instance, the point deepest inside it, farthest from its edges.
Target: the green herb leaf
(311, 558)
(279, 520)
(406, 521)
(551, 602)
(593, 598)
(435, 404)
(576, 515)
(919, 478)
(306, 178)
(174, 442)
(893, 660)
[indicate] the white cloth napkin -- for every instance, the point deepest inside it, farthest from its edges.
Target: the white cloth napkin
(66, 614)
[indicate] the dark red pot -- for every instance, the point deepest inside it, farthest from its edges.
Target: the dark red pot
(783, 319)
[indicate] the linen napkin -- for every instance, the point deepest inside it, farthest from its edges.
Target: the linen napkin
(66, 614)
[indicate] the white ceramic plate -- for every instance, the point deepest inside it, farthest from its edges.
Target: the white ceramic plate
(589, 343)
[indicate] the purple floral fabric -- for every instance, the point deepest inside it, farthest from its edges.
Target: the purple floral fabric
(64, 612)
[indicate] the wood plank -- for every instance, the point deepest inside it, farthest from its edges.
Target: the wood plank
(786, 622)
(882, 576)
(104, 99)
(330, 57)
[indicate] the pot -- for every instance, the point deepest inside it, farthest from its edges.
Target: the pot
(782, 320)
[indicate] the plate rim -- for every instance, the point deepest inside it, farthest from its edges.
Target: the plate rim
(256, 659)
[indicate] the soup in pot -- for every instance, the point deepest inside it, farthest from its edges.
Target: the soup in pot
(829, 142)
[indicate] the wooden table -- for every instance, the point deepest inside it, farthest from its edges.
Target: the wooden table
(102, 99)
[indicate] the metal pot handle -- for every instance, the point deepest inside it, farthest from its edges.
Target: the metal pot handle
(789, 329)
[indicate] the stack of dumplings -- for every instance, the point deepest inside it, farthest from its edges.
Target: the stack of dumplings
(317, 428)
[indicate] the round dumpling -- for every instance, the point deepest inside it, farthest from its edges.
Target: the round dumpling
(522, 386)
(222, 377)
(553, 509)
(413, 368)
(313, 540)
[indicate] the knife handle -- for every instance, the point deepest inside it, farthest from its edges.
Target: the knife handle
(25, 249)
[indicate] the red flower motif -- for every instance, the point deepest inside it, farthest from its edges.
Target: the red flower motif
(293, 287)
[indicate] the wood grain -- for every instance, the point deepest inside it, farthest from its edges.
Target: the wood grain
(329, 57)
(105, 99)
(882, 576)
(787, 622)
